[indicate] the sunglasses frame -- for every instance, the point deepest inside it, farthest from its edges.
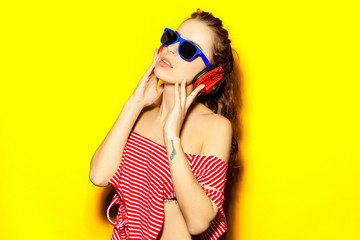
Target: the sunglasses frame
(181, 40)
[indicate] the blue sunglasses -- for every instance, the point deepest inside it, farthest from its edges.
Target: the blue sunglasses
(187, 49)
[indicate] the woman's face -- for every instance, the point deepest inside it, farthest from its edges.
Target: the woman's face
(192, 30)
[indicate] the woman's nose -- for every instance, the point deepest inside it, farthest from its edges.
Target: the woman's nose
(173, 48)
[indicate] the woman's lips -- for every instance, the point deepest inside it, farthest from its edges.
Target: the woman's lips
(164, 62)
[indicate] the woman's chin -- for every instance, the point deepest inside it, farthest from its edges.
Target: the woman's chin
(160, 74)
(169, 77)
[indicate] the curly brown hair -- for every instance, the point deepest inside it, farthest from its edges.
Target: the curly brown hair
(227, 100)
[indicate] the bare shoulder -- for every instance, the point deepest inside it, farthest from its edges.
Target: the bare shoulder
(217, 132)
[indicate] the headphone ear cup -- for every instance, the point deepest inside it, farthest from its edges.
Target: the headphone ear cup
(210, 77)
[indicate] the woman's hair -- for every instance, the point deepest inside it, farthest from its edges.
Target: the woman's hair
(227, 100)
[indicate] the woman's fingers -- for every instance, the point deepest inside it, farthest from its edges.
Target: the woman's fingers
(193, 95)
(156, 55)
(160, 89)
(180, 95)
(183, 94)
(153, 64)
(177, 100)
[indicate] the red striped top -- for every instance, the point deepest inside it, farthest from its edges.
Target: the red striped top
(143, 181)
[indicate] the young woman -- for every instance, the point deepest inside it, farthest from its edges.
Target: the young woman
(168, 160)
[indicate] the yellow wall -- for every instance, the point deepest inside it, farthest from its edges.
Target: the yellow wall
(67, 67)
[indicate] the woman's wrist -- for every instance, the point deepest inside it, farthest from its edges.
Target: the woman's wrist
(170, 135)
(173, 146)
(134, 104)
(171, 138)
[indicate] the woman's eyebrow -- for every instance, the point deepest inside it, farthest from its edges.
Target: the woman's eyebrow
(191, 41)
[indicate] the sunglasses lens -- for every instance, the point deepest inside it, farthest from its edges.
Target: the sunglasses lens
(187, 50)
(168, 38)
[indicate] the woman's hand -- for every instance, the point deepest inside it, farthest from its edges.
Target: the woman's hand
(145, 92)
(182, 103)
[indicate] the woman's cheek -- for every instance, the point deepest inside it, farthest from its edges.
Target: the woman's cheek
(156, 72)
(159, 73)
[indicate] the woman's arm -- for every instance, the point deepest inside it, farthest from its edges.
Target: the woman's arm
(196, 206)
(107, 157)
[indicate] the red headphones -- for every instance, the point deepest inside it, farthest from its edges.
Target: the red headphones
(211, 77)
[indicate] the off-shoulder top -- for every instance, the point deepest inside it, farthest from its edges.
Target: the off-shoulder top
(143, 181)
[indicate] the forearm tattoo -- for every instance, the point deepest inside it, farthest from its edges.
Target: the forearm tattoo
(173, 153)
(173, 200)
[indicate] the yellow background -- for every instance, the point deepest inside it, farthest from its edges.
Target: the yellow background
(67, 67)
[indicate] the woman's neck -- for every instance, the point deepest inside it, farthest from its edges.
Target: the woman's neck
(168, 100)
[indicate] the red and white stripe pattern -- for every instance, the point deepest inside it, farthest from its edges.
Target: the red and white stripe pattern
(143, 181)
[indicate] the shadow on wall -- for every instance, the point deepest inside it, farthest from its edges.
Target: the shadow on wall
(234, 174)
